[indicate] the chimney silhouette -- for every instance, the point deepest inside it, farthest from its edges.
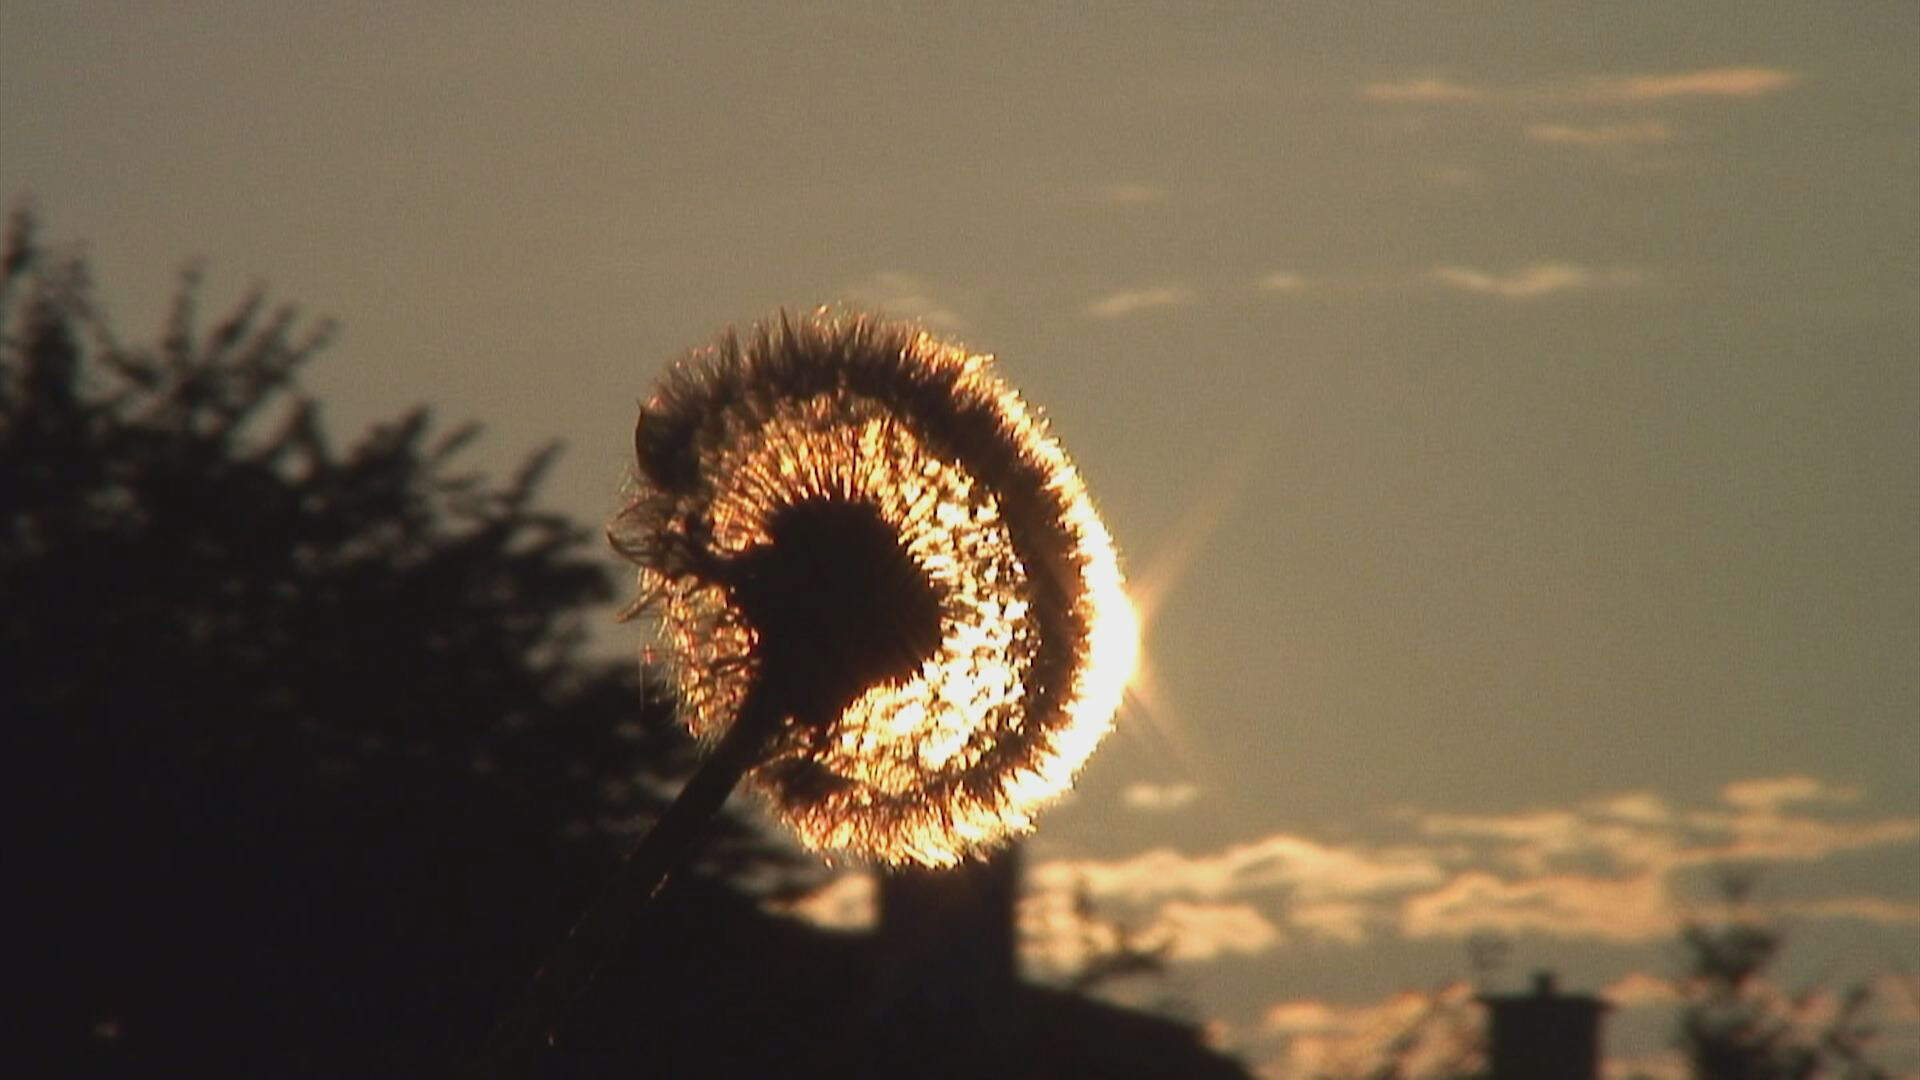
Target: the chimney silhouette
(955, 926)
(945, 969)
(1544, 1035)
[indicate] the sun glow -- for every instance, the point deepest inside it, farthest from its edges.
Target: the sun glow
(1165, 572)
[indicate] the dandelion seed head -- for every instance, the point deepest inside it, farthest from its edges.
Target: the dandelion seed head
(864, 525)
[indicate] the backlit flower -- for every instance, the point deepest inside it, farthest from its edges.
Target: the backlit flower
(855, 533)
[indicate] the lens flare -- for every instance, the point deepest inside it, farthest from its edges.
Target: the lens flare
(859, 526)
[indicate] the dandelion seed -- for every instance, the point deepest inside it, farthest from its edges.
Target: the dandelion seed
(854, 533)
(882, 594)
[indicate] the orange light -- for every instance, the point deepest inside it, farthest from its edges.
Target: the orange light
(924, 761)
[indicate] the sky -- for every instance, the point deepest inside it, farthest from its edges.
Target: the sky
(1506, 412)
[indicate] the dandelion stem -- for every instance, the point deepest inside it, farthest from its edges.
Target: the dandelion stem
(525, 1028)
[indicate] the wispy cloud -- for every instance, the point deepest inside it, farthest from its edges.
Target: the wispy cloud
(1130, 301)
(1202, 931)
(1302, 1017)
(1536, 280)
(1280, 281)
(1773, 793)
(1345, 921)
(1635, 133)
(1542, 841)
(1899, 996)
(1734, 82)
(1056, 938)
(1152, 797)
(1638, 989)
(904, 295)
(1424, 1033)
(1870, 909)
(1637, 831)
(845, 903)
(1438, 1032)
(1613, 869)
(1525, 282)
(1770, 836)
(1305, 868)
(1440, 90)
(1627, 909)
(1606, 869)
(1719, 82)
(1640, 807)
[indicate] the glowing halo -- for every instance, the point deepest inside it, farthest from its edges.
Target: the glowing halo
(857, 529)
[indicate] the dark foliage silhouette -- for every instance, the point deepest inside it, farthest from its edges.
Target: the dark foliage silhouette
(312, 761)
(1736, 1024)
(315, 766)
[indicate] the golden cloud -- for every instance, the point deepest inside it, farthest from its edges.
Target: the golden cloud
(1129, 301)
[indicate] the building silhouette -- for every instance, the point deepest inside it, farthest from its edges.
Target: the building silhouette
(1543, 1034)
(713, 986)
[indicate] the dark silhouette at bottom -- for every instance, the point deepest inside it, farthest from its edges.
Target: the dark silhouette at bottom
(1544, 1034)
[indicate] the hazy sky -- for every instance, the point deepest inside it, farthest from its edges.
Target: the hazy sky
(1509, 414)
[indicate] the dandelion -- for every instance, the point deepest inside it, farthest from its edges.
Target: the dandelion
(858, 542)
(882, 595)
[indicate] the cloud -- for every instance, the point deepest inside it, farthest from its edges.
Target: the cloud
(904, 296)
(1605, 868)
(1056, 937)
(1638, 989)
(1561, 905)
(1637, 133)
(1537, 842)
(1343, 921)
(1898, 995)
(1872, 909)
(1280, 281)
(1639, 807)
(1530, 282)
(1127, 302)
(1722, 82)
(1766, 835)
(1637, 831)
(1308, 870)
(1326, 892)
(1203, 931)
(1441, 90)
(1772, 793)
(1610, 869)
(1423, 1033)
(1302, 1017)
(848, 902)
(1735, 82)
(1153, 797)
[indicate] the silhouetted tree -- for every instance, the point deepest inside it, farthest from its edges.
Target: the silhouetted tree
(311, 760)
(1111, 948)
(1443, 1040)
(315, 768)
(1736, 1024)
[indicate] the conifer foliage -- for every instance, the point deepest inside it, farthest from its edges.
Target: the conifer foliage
(312, 760)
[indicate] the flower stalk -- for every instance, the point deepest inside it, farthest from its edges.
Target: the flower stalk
(884, 599)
